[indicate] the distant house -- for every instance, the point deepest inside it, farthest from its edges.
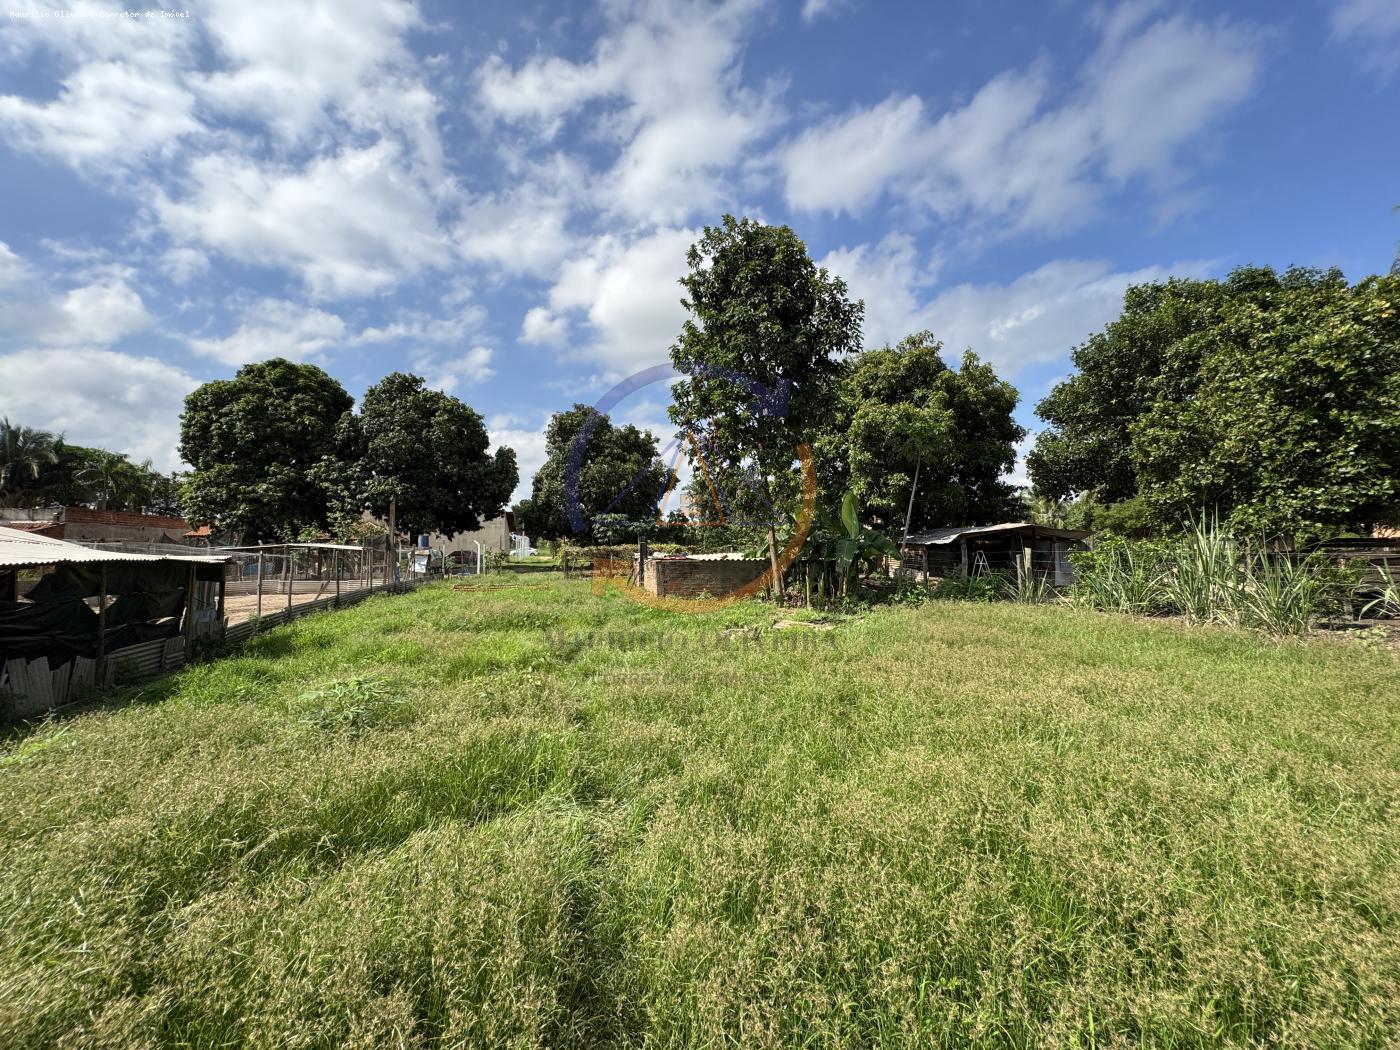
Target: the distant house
(978, 549)
(493, 535)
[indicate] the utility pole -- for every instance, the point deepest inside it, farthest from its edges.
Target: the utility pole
(918, 465)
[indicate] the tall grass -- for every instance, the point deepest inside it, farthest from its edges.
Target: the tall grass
(1201, 575)
(1386, 601)
(541, 817)
(1026, 585)
(1209, 576)
(1120, 575)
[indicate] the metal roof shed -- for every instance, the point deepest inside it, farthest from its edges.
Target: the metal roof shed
(54, 638)
(1005, 547)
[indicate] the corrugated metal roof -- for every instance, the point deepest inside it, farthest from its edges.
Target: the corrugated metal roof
(25, 548)
(948, 535)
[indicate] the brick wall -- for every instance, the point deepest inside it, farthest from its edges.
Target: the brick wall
(113, 526)
(692, 577)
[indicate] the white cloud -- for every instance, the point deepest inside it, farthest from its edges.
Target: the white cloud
(845, 163)
(105, 113)
(543, 328)
(347, 224)
(182, 265)
(102, 310)
(1039, 316)
(889, 278)
(524, 229)
(1008, 154)
(349, 178)
(511, 431)
(106, 399)
(415, 326)
(131, 88)
(1375, 25)
(295, 65)
(120, 99)
(667, 74)
(449, 373)
(815, 9)
(629, 295)
(275, 328)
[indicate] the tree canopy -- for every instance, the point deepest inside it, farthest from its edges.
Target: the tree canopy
(619, 480)
(902, 410)
(1272, 401)
(256, 442)
(759, 309)
(429, 452)
(38, 468)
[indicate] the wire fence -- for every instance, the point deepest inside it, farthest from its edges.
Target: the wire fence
(276, 578)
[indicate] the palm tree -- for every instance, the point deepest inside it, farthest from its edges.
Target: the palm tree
(114, 481)
(1047, 510)
(24, 453)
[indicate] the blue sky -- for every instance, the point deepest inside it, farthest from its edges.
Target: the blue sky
(499, 196)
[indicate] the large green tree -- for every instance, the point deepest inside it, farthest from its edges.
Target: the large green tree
(256, 443)
(903, 411)
(619, 478)
(1087, 447)
(1267, 399)
(1294, 424)
(760, 309)
(427, 451)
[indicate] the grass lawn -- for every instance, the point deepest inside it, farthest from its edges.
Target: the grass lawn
(532, 815)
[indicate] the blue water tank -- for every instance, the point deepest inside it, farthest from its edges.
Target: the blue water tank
(423, 540)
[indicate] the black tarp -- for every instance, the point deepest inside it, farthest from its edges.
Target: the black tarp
(84, 580)
(57, 622)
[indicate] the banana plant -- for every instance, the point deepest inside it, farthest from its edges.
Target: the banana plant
(838, 551)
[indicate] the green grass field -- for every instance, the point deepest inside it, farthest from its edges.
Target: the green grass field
(532, 815)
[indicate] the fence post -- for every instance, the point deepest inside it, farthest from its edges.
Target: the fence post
(189, 613)
(260, 579)
(287, 557)
(101, 625)
(337, 579)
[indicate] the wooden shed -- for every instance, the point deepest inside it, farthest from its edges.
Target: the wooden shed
(979, 549)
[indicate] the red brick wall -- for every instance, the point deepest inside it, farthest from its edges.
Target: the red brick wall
(690, 578)
(85, 516)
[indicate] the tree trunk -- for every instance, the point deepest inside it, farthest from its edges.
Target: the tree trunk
(773, 561)
(773, 544)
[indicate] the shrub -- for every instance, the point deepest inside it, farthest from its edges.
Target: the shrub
(1120, 575)
(958, 586)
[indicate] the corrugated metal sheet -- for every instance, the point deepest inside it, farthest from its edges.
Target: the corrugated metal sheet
(948, 535)
(24, 548)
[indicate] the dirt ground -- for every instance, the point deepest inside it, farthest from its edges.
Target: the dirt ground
(240, 607)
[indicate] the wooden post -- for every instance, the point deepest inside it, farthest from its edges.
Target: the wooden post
(260, 578)
(223, 587)
(962, 546)
(643, 549)
(189, 612)
(101, 624)
(287, 555)
(337, 579)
